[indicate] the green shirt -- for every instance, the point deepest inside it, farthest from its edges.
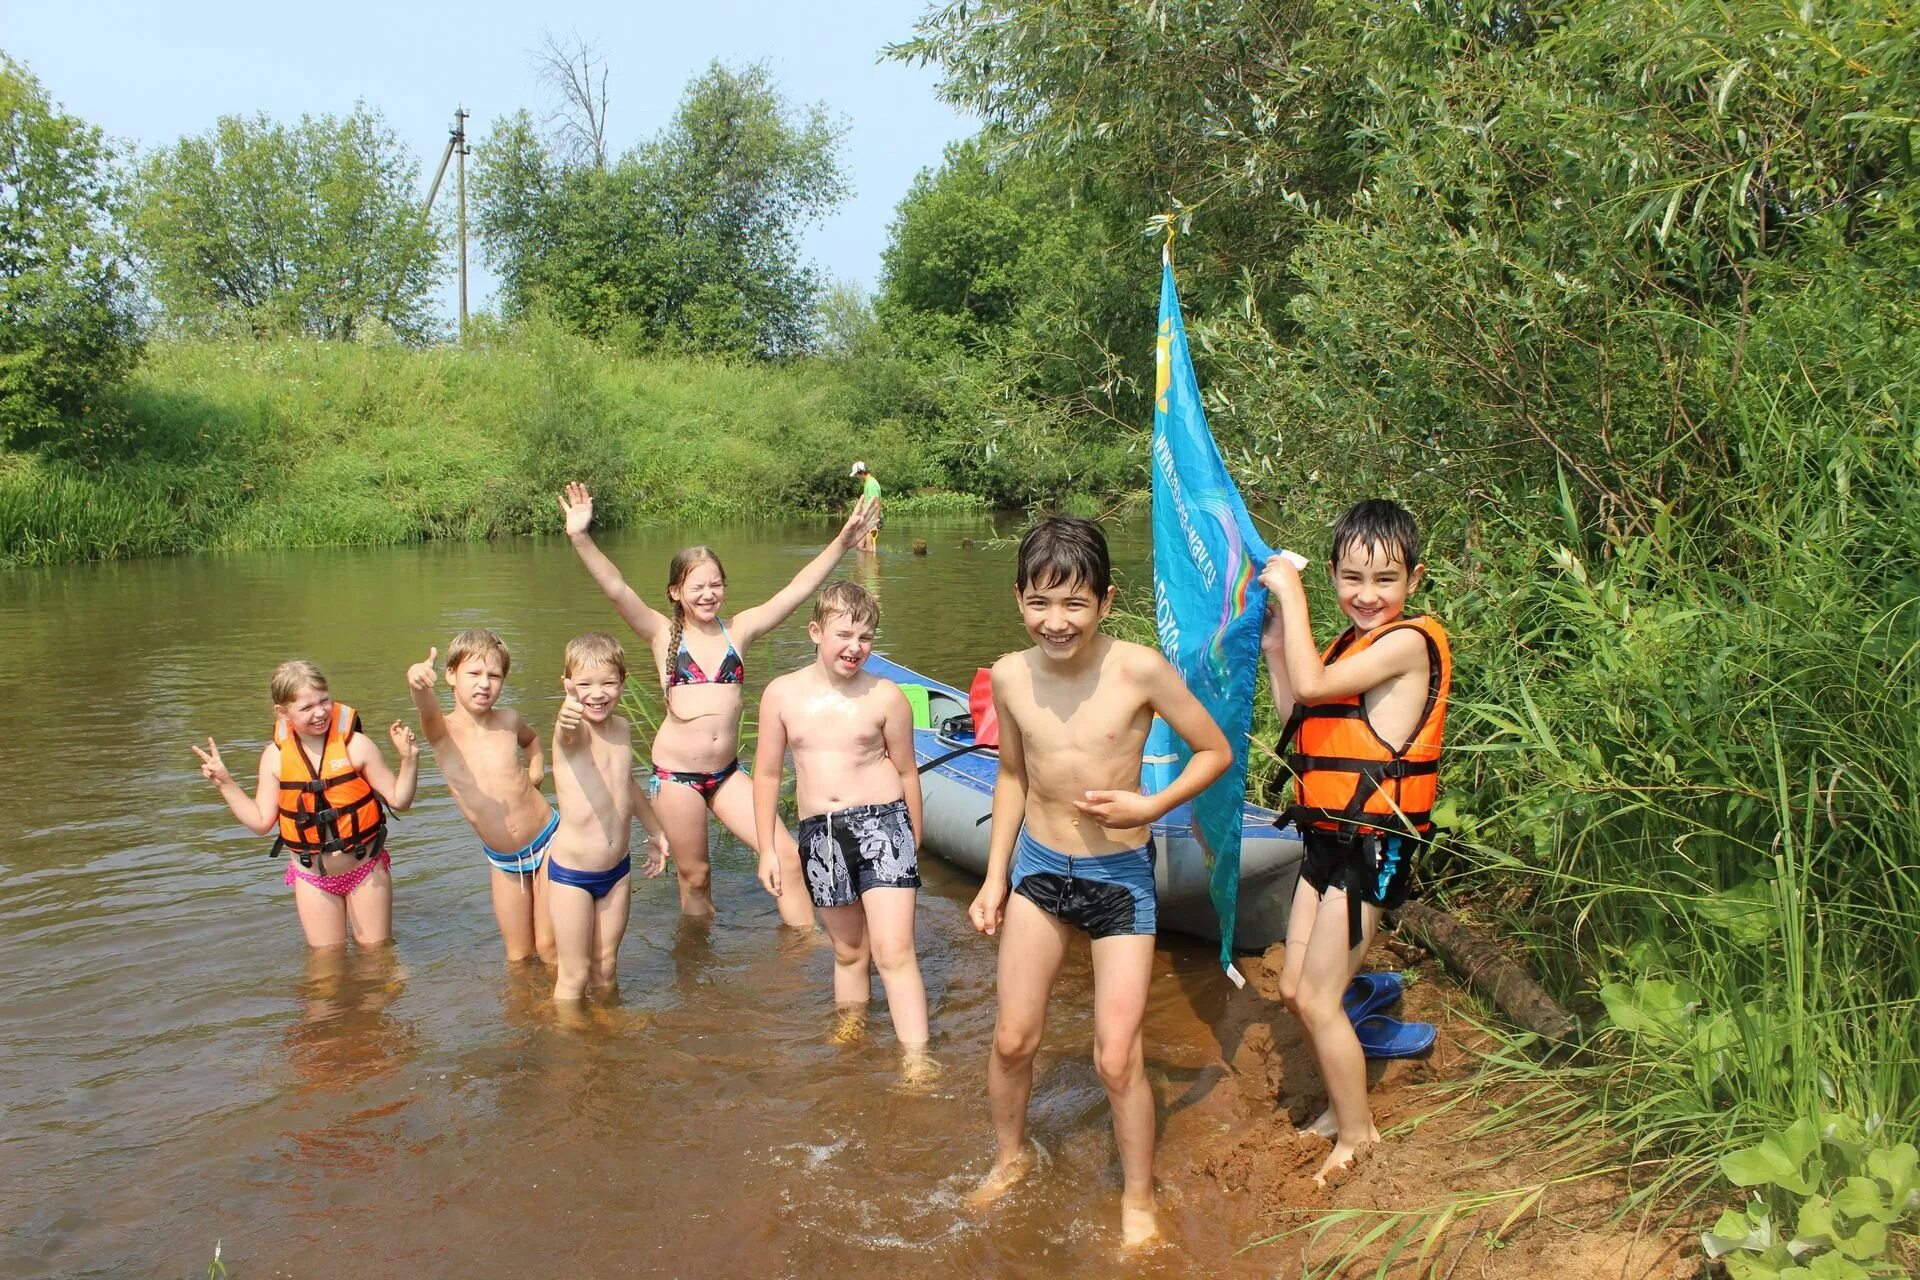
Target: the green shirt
(873, 488)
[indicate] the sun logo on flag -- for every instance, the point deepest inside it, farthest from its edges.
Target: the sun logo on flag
(1162, 365)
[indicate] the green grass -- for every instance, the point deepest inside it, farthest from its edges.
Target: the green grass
(299, 443)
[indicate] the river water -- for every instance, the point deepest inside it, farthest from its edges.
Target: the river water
(177, 1069)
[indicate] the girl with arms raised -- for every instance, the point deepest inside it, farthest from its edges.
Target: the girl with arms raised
(701, 658)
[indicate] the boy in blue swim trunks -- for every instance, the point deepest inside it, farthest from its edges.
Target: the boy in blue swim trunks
(599, 799)
(857, 788)
(1070, 851)
(491, 761)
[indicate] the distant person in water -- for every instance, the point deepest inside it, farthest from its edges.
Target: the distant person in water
(491, 761)
(857, 789)
(324, 790)
(869, 493)
(1071, 852)
(600, 799)
(1365, 720)
(701, 661)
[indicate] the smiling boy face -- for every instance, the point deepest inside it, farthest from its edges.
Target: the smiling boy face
(842, 642)
(597, 689)
(1063, 615)
(1372, 584)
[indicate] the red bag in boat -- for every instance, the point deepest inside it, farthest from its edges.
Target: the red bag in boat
(986, 725)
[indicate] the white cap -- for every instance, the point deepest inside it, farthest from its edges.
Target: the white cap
(858, 467)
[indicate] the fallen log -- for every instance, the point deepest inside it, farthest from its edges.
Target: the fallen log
(1476, 961)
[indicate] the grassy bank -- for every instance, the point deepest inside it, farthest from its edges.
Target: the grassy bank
(301, 443)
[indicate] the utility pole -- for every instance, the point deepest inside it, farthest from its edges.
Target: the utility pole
(460, 187)
(456, 146)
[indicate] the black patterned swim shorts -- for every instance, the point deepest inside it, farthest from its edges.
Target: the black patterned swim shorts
(849, 851)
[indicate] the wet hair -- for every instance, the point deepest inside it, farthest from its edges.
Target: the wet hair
(1378, 522)
(293, 676)
(594, 649)
(849, 598)
(684, 562)
(1065, 549)
(478, 642)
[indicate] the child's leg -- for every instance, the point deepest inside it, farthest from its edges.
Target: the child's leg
(370, 908)
(847, 927)
(733, 805)
(1329, 966)
(1122, 970)
(609, 926)
(323, 916)
(889, 917)
(541, 888)
(513, 912)
(573, 916)
(683, 815)
(1032, 944)
(1306, 909)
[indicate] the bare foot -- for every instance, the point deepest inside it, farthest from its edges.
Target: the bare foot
(849, 1025)
(1340, 1159)
(1005, 1176)
(1325, 1127)
(1138, 1225)
(917, 1070)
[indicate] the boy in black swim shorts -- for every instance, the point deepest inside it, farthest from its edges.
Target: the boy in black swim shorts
(1364, 719)
(858, 793)
(1071, 850)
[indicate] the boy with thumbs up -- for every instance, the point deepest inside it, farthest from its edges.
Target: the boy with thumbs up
(490, 758)
(599, 799)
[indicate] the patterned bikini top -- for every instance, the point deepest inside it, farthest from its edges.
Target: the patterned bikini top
(686, 671)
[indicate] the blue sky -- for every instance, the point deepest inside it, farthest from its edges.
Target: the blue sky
(149, 73)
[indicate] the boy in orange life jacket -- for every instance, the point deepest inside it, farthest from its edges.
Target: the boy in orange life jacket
(490, 760)
(325, 789)
(1366, 718)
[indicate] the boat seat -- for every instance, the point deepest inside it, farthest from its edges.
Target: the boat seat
(917, 699)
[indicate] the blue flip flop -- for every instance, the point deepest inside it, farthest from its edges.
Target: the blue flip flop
(1370, 993)
(1384, 1037)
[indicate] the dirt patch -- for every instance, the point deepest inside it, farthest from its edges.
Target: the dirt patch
(1426, 1160)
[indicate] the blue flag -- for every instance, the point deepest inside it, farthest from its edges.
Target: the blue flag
(1207, 599)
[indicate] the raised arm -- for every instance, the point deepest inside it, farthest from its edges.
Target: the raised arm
(576, 504)
(421, 679)
(899, 736)
(1009, 807)
(364, 756)
(750, 624)
(530, 748)
(258, 814)
(1313, 681)
(769, 765)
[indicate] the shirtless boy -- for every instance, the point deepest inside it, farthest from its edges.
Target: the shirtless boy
(490, 758)
(858, 793)
(1074, 712)
(599, 798)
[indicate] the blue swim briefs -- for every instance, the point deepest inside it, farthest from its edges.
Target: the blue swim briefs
(528, 860)
(1107, 896)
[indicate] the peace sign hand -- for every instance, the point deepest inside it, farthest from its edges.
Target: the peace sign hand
(576, 504)
(422, 675)
(212, 768)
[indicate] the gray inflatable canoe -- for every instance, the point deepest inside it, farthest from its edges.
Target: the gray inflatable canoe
(957, 789)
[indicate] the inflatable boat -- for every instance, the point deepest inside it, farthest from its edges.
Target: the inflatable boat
(956, 782)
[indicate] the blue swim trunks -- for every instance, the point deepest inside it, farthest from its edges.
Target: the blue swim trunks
(1105, 897)
(528, 860)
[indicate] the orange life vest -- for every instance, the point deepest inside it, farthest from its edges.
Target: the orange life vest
(333, 811)
(1346, 777)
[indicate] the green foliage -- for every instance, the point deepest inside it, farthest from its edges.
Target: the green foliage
(687, 243)
(67, 329)
(264, 229)
(310, 443)
(1842, 1189)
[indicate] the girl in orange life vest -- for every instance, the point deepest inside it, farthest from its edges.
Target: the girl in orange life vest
(1368, 716)
(701, 661)
(323, 790)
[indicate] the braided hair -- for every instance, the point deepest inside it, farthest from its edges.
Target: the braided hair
(684, 562)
